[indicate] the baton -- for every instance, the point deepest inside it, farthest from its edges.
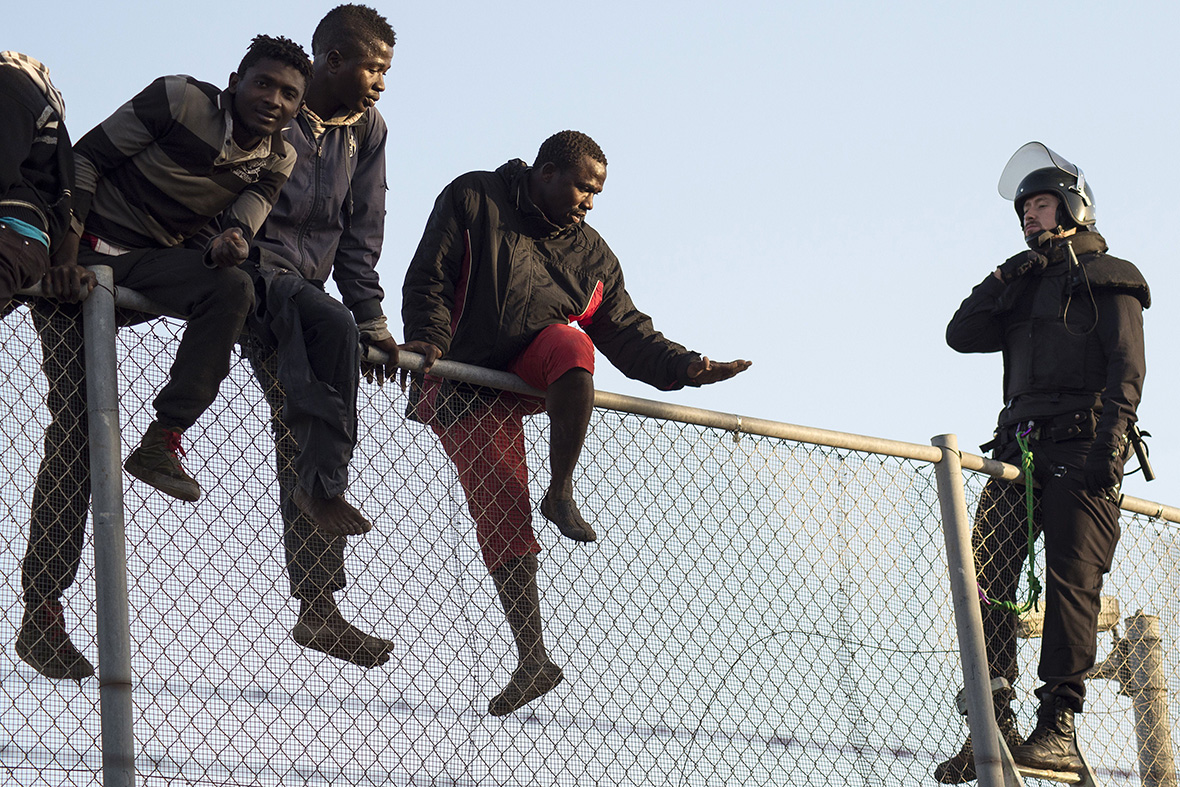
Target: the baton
(1141, 451)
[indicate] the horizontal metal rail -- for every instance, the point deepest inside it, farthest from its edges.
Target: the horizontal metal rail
(739, 424)
(124, 299)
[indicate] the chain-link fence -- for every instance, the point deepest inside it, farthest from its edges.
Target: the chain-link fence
(755, 611)
(1125, 732)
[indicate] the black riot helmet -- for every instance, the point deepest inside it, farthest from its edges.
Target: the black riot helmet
(1036, 169)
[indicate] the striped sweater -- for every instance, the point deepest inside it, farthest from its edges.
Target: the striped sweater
(164, 164)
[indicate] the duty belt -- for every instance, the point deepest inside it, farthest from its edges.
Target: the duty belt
(1057, 428)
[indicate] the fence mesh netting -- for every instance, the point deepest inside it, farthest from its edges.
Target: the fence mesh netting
(754, 611)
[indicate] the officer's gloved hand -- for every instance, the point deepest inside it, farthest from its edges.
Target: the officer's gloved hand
(1104, 464)
(1022, 264)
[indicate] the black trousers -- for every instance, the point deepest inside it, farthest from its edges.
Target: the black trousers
(214, 303)
(61, 495)
(1081, 533)
(303, 347)
(22, 262)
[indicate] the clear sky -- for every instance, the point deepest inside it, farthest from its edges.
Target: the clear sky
(810, 186)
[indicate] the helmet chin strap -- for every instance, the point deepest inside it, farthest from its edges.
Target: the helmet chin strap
(1043, 239)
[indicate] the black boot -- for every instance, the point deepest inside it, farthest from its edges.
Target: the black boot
(44, 644)
(1053, 745)
(157, 462)
(535, 674)
(961, 767)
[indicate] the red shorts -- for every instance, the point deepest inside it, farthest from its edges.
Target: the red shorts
(488, 447)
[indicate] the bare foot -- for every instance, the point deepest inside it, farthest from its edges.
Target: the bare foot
(528, 682)
(334, 515)
(334, 635)
(567, 517)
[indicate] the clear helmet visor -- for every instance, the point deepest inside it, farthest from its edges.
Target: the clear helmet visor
(1031, 157)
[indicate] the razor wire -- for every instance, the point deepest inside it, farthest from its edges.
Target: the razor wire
(755, 611)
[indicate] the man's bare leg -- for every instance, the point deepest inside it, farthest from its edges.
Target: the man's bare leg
(321, 626)
(569, 402)
(535, 674)
(334, 515)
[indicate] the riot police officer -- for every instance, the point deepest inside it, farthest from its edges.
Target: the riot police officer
(1068, 319)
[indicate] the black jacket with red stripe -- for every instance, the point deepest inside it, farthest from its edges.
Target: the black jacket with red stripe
(491, 272)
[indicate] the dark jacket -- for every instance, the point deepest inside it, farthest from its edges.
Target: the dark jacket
(1071, 337)
(36, 163)
(491, 272)
(330, 215)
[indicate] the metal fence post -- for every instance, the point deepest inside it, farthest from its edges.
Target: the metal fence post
(956, 529)
(1147, 686)
(110, 550)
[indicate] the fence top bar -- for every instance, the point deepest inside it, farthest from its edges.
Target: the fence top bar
(1150, 509)
(674, 412)
(130, 299)
(993, 467)
(124, 298)
(756, 426)
(651, 408)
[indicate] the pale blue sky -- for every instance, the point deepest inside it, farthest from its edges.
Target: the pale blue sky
(810, 186)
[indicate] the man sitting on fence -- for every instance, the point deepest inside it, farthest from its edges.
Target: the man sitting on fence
(1068, 318)
(36, 173)
(36, 182)
(505, 266)
(329, 220)
(150, 178)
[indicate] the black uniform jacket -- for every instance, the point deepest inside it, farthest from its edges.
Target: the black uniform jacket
(1071, 335)
(491, 271)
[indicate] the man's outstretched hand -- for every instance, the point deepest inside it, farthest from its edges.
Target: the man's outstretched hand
(704, 371)
(429, 354)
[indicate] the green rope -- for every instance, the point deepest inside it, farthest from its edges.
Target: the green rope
(1034, 584)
